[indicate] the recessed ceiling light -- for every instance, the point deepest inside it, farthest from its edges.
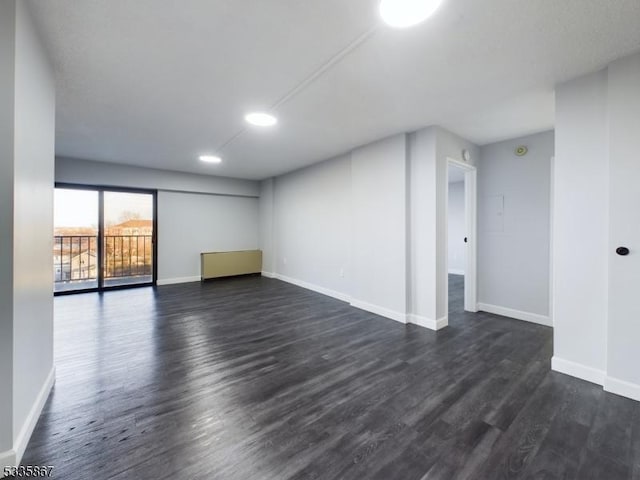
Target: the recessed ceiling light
(210, 159)
(261, 119)
(405, 13)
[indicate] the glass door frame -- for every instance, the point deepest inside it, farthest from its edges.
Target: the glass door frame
(101, 189)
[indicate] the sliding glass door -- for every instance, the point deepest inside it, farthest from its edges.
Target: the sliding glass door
(103, 238)
(127, 239)
(75, 240)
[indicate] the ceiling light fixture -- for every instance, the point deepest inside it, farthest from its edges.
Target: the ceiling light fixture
(261, 119)
(210, 159)
(406, 13)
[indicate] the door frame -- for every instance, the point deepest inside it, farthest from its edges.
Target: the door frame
(471, 227)
(154, 238)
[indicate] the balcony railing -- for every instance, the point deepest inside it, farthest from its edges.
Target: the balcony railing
(128, 256)
(75, 258)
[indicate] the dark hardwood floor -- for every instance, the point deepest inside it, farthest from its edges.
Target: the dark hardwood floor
(252, 378)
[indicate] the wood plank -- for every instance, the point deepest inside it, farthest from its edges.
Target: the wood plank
(255, 378)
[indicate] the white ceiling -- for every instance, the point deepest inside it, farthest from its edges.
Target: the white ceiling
(156, 84)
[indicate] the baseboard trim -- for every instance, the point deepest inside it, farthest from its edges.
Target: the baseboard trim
(578, 370)
(32, 419)
(599, 377)
(517, 314)
(315, 288)
(178, 280)
(429, 323)
(378, 310)
(622, 388)
(369, 307)
(7, 459)
(454, 271)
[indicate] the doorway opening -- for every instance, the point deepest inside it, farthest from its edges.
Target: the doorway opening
(104, 238)
(461, 212)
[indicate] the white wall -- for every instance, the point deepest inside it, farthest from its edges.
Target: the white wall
(581, 186)
(623, 335)
(514, 215)
(423, 211)
(196, 213)
(596, 173)
(457, 229)
(265, 214)
(339, 227)
(72, 170)
(191, 223)
(379, 227)
(376, 215)
(429, 151)
(7, 82)
(312, 225)
(27, 130)
(33, 223)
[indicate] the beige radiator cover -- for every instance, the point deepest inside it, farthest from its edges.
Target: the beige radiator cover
(227, 264)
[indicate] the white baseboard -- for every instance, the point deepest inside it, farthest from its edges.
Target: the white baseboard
(378, 310)
(30, 423)
(454, 271)
(315, 288)
(369, 307)
(7, 459)
(175, 281)
(517, 314)
(578, 370)
(599, 377)
(429, 323)
(622, 388)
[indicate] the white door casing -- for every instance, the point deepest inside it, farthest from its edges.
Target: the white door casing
(470, 199)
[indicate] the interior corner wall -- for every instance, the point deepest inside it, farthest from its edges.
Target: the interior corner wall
(339, 227)
(580, 227)
(422, 272)
(456, 231)
(514, 221)
(7, 83)
(266, 213)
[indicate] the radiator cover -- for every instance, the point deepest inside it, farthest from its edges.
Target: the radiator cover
(228, 264)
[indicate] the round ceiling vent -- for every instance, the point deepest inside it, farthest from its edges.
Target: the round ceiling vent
(521, 151)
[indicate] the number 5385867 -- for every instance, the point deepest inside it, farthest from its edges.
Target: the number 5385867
(28, 471)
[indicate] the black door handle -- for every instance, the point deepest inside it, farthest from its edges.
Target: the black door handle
(622, 251)
(465, 239)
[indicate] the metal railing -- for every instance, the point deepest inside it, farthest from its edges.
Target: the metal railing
(75, 257)
(127, 256)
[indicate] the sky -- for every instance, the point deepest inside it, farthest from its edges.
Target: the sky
(79, 208)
